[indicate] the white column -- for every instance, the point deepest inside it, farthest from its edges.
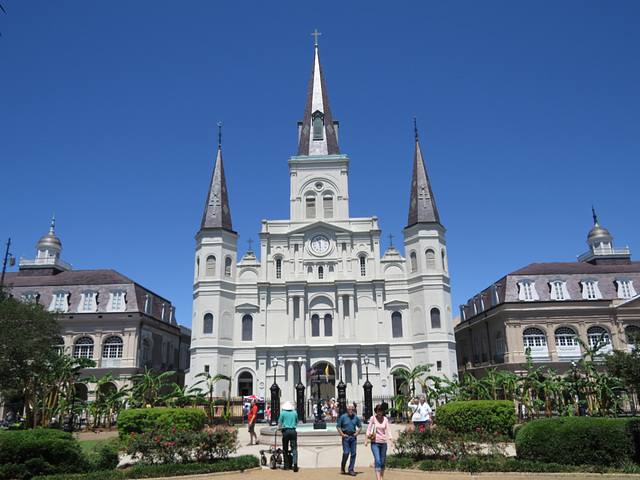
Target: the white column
(291, 319)
(352, 317)
(340, 317)
(301, 318)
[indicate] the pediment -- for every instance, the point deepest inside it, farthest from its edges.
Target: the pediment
(396, 305)
(245, 307)
(320, 225)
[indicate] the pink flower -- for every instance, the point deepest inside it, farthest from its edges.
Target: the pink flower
(478, 428)
(453, 458)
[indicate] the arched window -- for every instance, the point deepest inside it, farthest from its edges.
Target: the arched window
(632, 333)
(83, 348)
(197, 267)
(328, 325)
(227, 267)
(315, 326)
(536, 340)
(431, 259)
(210, 269)
(320, 273)
(414, 262)
(435, 318)
(247, 328)
(599, 337)
(396, 324)
(327, 205)
(278, 268)
(444, 261)
(317, 120)
(311, 207)
(567, 344)
(112, 347)
(363, 266)
(207, 324)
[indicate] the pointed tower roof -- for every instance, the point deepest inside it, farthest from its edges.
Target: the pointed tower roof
(318, 135)
(217, 213)
(422, 206)
(598, 232)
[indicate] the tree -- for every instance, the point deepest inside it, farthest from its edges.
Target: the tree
(28, 334)
(148, 386)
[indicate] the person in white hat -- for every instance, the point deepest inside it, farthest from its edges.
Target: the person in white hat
(288, 422)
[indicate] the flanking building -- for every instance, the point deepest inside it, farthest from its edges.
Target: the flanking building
(545, 306)
(105, 316)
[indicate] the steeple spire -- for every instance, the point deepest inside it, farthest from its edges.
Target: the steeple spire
(422, 206)
(317, 132)
(217, 213)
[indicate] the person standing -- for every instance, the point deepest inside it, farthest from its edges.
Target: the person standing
(379, 439)
(349, 427)
(288, 422)
(252, 419)
(421, 413)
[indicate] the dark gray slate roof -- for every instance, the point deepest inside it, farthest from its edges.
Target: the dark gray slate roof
(422, 205)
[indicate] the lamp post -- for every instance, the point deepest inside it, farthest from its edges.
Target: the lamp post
(275, 395)
(7, 258)
(300, 394)
(342, 390)
(319, 424)
(367, 387)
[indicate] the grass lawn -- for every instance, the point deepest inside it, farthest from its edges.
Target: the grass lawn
(91, 445)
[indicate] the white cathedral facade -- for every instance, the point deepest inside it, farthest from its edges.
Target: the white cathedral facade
(321, 297)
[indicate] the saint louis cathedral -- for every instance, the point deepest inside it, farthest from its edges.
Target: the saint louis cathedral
(321, 297)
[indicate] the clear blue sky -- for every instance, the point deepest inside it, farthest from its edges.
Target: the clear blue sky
(528, 112)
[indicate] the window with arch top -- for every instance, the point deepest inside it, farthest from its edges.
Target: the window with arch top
(414, 262)
(210, 266)
(311, 206)
(315, 325)
(278, 268)
(227, 267)
(83, 348)
(328, 325)
(320, 273)
(363, 266)
(112, 347)
(327, 205)
(247, 328)
(435, 318)
(396, 325)
(430, 256)
(207, 324)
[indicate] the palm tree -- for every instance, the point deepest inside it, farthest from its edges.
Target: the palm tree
(147, 386)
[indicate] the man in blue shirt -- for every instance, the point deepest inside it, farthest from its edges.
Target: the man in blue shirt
(288, 422)
(349, 427)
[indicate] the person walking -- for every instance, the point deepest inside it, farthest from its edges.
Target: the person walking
(378, 433)
(349, 427)
(252, 419)
(421, 413)
(288, 422)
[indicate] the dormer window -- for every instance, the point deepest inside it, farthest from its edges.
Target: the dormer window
(60, 302)
(88, 301)
(558, 290)
(317, 120)
(116, 301)
(590, 290)
(527, 290)
(625, 288)
(30, 297)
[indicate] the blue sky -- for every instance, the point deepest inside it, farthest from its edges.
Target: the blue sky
(528, 113)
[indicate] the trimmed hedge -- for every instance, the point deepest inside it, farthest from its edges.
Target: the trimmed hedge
(141, 420)
(26, 453)
(577, 441)
(467, 416)
(243, 462)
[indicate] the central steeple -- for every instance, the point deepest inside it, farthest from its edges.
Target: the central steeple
(318, 132)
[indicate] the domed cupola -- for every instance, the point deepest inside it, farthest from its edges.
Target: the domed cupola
(49, 246)
(601, 250)
(47, 261)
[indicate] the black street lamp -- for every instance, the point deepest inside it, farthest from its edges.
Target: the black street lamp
(300, 394)
(275, 395)
(368, 398)
(319, 424)
(342, 390)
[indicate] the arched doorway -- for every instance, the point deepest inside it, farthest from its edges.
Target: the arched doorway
(81, 392)
(245, 384)
(108, 389)
(325, 376)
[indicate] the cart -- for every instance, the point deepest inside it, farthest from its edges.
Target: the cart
(276, 454)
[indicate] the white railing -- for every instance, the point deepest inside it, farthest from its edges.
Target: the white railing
(30, 262)
(604, 251)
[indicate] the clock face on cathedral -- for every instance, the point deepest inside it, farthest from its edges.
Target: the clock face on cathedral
(320, 244)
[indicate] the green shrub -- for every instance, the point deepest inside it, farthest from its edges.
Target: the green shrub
(104, 456)
(576, 441)
(140, 420)
(467, 416)
(26, 453)
(169, 470)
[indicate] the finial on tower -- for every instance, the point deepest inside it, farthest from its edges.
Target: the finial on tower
(595, 217)
(53, 223)
(315, 34)
(219, 134)
(415, 127)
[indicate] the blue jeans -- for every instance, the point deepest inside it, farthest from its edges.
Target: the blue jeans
(379, 451)
(349, 448)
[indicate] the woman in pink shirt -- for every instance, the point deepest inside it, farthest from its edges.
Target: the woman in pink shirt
(382, 435)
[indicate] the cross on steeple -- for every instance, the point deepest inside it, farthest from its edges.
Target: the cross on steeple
(315, 34)
(391, 240)
(424, 195)
(249, 242)
(415, 127)
(215, 201)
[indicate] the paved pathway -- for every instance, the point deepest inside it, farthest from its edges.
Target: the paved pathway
(323, 463)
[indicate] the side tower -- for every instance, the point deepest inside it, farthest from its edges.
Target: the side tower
(214, 283)
(428, 273)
